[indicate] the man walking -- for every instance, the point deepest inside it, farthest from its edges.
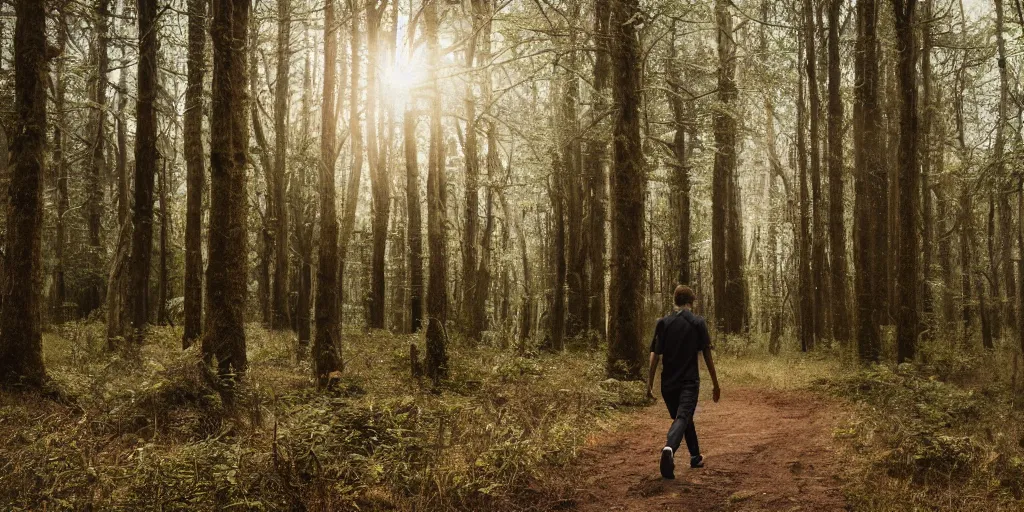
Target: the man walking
(680, 337)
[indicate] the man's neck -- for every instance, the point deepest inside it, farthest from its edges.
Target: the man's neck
(687, 307)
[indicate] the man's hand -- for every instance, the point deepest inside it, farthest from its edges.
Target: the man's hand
(716, 394)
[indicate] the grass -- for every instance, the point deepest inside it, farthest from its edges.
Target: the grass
(944, 434)
(148, 431)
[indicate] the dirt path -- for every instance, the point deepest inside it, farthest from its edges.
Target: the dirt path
(764, 450)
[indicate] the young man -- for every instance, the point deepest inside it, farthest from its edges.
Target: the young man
(680, 337)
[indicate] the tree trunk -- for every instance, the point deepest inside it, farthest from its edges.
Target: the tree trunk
(195, 171)
(122, 148)
(60, 169)
(165, 225)
(21, 347)
(471, 214)
(279, 299)
(303, 240)
(681, 174)
(868, 251)
(348, 220)
(379, 179)
(415, 224)
(227, 271)
(145, 169)
(817, 237)
(727, 229)
(927, 208)
(837, 225)
(97, 165)
(806, 280)
(572, 187)
(907, 322)
(1005, 213)
(327, 344)
(596, 152)
(437, 205)
(628, 186)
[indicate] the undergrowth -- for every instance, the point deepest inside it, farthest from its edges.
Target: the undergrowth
(149, 431)
(944, 434)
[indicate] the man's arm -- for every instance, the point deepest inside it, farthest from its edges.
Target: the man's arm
(650, 374)
(714, 376)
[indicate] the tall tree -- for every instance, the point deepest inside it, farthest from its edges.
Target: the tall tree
(21, 346)
(628, 184)
(472, 191)
(279, 298)
(380, 181)
(145, 169)
(817, 236)
(483, 10)
(681, 174)
(195, 171)
(437, 204)
(726, 225)
(97, 164)
(806, 280)
(837, 224)
(1005, 212)
(227, 271)
(596, 152)
(869, 247)
(414, 226)
(907, 327)
(327, 343)
(573, 182)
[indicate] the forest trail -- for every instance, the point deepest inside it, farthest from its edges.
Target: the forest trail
(764, 450)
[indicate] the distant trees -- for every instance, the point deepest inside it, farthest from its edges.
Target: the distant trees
(21, 349)
(752, 214)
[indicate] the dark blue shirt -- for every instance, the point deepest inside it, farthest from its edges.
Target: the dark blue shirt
(680, 337)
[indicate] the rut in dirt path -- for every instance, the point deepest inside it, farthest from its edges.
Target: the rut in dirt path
(764, 450)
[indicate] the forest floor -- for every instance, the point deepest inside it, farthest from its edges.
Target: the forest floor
(764, 450)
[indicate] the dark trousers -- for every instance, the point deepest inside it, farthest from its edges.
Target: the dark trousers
(682, 403)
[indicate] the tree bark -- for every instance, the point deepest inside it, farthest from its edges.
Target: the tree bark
(145, 170)
(867, 185)
(195, 172)
(628, 186)
(379, 180)
(21, 347)
(836, 176)
(279, 299)
(596, 152)
(907, 324)
(727, 228)
(681, 174)
(327, 343)
(437, 205)
(227, 271)
(806, 279)
(415, 223)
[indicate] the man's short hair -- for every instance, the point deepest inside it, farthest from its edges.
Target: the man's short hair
(683, 296)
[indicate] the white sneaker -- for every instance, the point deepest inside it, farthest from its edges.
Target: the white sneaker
(668, 465)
